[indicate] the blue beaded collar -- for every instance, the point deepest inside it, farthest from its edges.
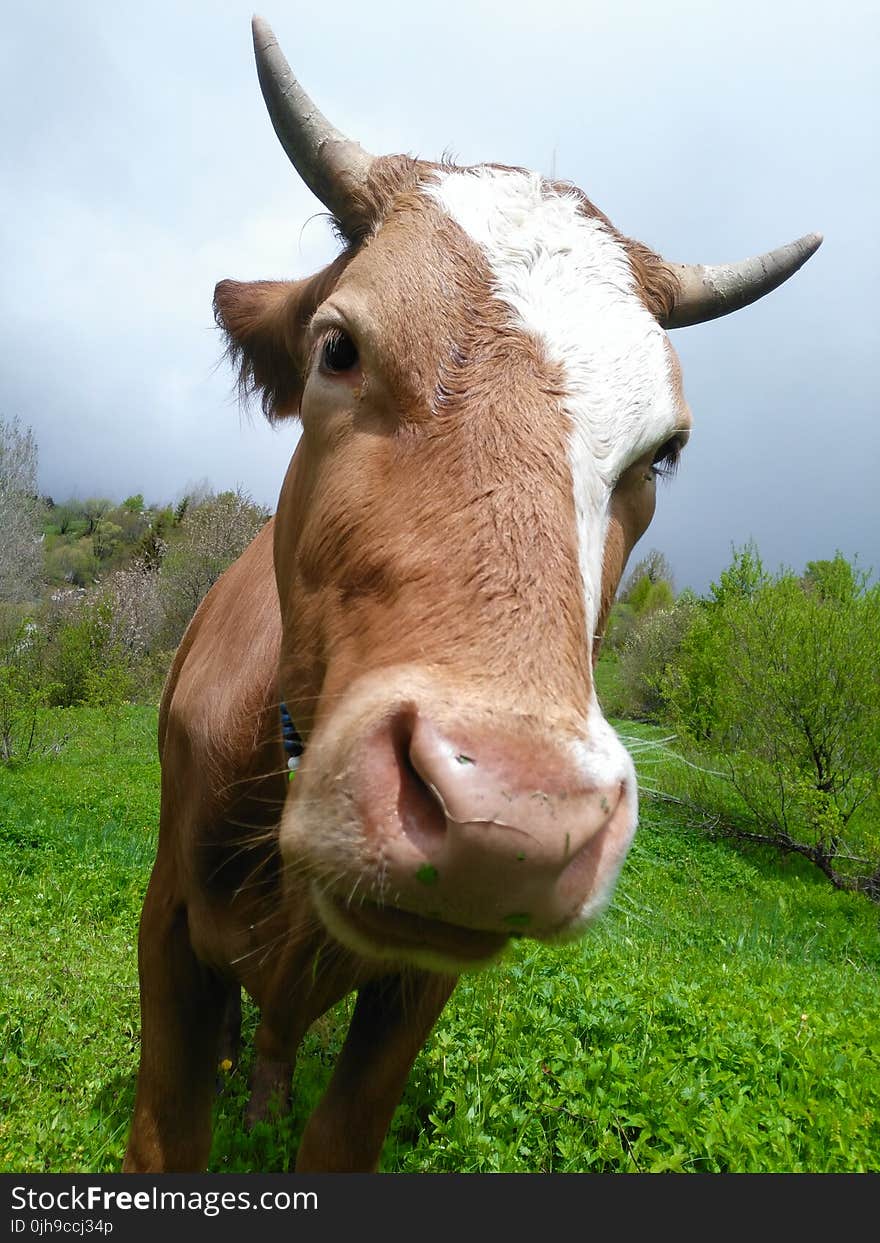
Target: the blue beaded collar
(293, 744)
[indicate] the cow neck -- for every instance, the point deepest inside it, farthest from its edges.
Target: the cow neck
(293, 744)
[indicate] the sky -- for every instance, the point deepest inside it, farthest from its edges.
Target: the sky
(139, 167)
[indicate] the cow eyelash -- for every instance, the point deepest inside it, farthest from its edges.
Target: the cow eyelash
(338, 352)
(665, 461)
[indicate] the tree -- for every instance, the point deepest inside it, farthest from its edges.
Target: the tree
(211, 535)
(66, 517)
(650, 646)
(106, 538)
(643, 629)
(20, 550)
(93, 510)
(71, 563)
(654, 566)
(833, 580)
(135, 612)
(649, 585)
(23, 691)
(777, 678)
(743, 578)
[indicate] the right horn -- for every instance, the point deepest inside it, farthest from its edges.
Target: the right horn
(707, 291)
(333, 167)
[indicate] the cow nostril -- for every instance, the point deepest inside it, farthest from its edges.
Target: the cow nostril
(420, 811)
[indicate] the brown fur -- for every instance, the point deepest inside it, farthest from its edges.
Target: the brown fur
(426, 523)
(265, 324)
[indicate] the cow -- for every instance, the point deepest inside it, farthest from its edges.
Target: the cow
(382, 752)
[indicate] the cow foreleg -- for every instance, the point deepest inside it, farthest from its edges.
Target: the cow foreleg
(305, 983)
(269, 1091)
(391, 1021)
(182, 1006)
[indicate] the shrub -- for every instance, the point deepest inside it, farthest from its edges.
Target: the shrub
(134, 611)
(212, 533)
(20, 509)
(651, 645)
(76, 630)
(103, 642)
(70, 562)
(24, 693)
(776, 679)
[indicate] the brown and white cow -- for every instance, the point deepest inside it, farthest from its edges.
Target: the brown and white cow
(487, 396)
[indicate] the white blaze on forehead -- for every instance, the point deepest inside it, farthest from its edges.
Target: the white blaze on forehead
(569, 283)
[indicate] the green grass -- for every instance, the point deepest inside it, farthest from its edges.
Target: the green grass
(722, 1016)
(77, 837)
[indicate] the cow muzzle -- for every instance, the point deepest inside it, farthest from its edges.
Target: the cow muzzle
(513, 836)
(462, 836)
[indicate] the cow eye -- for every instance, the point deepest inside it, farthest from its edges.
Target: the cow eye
(339, 352)
(665, 461)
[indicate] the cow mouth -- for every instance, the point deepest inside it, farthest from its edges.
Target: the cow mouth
(386, 932)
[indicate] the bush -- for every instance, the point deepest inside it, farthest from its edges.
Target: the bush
(103, 643)
(114, 639)
(71, 563)
(212, 533)
(134, 611)
(20, 512)
(776, 680)
(76, 636)
(651, 646)
(24, 693)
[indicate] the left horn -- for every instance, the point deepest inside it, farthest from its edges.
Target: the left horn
(333, 167)
(707, 291)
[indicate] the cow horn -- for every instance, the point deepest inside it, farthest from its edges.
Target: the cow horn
(333, 167)
(707, 291)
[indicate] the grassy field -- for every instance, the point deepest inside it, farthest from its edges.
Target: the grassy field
(721, 1017)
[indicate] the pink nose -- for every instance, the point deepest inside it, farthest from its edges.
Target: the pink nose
(500, 833)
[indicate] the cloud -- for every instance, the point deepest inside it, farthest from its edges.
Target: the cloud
(141, 168)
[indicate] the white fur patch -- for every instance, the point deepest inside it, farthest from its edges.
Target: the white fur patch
(569, 283)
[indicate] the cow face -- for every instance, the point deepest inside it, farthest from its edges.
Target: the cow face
(486, 401)
(487, 397)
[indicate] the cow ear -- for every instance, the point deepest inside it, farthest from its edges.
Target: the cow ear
(265, 323)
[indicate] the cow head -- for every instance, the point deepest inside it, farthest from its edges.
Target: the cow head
(487, 396)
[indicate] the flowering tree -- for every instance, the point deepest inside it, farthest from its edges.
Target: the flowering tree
(213, 531)
(20, 550)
